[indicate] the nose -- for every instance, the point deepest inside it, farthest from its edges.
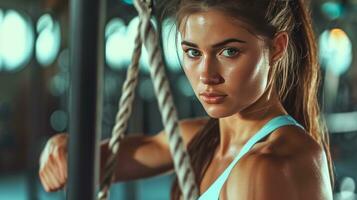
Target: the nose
(211, 80)
(209, 73)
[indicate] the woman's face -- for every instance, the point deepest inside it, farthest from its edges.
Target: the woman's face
(226, 65)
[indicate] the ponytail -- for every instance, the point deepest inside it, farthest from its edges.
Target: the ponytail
(302, 67)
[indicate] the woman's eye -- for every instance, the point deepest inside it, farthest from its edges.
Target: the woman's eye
(230, 52)
(192, 53)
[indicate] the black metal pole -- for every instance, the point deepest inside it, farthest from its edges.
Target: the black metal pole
(36, 119)
(86, 51)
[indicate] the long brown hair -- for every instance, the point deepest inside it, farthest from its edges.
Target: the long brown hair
(296, 77)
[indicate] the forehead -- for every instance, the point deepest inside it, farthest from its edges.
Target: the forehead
(213, 25)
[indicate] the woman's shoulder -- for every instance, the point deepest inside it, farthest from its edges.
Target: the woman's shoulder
(289, 163)
(288, 146)
(290, 141)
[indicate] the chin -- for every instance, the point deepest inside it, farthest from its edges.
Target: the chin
(216, 112)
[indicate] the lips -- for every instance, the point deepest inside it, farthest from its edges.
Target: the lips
(212, 97)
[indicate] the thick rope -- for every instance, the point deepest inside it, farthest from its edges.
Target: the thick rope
(178, 151)
(121, 119)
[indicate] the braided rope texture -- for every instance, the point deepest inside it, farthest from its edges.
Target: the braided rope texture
(178, 151)
(168, 111)
(121, 119)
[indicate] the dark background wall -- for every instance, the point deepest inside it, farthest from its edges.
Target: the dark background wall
(34, 98)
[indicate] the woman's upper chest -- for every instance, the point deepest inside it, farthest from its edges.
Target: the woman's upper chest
(243, 177)
(219, 165)
(245, 165)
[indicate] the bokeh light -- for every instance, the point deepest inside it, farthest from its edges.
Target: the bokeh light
(171, 45)
(332, 10)
(1, 20)
(59, 84)
(16, 40)
(130, 2)
(115, 53)
(63, 60)
(49, 40)
(59, 120)
(132, 31)
(120, 42)
(335, 50)
(347, 190)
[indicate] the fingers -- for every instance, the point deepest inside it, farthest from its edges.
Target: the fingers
(53, 164)
(44, 181)
(48, 180)
(61, 163)
(50, 176)
(54, 171)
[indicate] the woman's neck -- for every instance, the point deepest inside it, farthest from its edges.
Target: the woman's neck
(237, 129)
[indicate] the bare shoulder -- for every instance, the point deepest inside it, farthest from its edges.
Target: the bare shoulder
(188, 127)
(291, 140)
(289, 165)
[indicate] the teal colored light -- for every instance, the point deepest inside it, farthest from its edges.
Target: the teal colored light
(120, 43)
(1, 20)
(1, 15)
(48, 41)
(348, 185)
(117, 53)
(63, 60)
(132, 31)
(130, 2)
(332, 9)
(16, 40)
(59, 84)
(171, 45)
(59, 120)
(335, 51)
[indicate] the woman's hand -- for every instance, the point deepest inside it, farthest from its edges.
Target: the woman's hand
(53, 163)
(140, 156)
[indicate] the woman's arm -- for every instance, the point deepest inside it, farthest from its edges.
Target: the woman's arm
(139, 156)
(297, 174)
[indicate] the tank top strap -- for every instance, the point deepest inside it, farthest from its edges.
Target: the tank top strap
(214, 190)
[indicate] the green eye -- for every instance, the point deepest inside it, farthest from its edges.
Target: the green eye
(230, 52)
(193, 53)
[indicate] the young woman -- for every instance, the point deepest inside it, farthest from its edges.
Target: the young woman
(253, 66)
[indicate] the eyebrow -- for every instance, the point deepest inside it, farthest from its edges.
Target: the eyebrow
(224, 42)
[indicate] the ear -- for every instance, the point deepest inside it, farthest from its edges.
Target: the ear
(278, 46)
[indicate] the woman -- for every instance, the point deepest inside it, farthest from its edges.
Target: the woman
(253, 66)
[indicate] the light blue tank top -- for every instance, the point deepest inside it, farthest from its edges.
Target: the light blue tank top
(212, 193)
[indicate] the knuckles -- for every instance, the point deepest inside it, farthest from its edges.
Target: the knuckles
(53, 154)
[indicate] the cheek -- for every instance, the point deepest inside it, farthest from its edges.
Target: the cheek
(249, 78)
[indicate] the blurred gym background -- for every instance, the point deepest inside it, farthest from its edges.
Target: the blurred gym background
(34, 82)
